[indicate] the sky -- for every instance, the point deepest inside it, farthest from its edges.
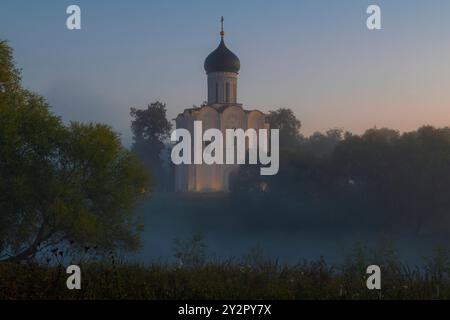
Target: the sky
(316, 57)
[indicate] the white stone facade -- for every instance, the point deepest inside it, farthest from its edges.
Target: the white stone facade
(222, 87)
(215, 177)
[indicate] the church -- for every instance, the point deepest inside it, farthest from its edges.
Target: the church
(221, 111)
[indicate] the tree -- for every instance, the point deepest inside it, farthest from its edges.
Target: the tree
(289, 126)
(61, 183)
(150, 129)
(406, 177)
(321, 144)
(9, 75)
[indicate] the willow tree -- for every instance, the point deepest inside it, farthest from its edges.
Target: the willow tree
(61, 182)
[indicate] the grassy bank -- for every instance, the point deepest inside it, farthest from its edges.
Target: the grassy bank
(250, 278)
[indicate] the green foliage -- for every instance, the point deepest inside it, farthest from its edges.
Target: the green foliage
(253, 277)
(408, 173)
(60, 182)
(151, 129)
(382, 178)
(190, 252)
(285, 120)
(9, 75)
(322, 145)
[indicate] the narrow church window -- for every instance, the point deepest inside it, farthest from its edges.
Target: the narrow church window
(227, 92)
(235, 144)
(217, 92)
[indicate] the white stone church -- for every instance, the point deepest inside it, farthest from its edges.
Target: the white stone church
(221, 112)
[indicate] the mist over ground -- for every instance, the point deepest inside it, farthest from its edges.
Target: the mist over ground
(232, 228)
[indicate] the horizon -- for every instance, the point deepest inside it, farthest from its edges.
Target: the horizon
(293, 55)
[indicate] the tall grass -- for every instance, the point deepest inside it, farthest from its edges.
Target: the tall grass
(251, 277)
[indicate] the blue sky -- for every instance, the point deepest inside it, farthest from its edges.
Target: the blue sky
(316, 57)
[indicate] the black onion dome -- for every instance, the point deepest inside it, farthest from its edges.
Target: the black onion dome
(222, 60)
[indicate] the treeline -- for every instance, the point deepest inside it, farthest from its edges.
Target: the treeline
(381, 177)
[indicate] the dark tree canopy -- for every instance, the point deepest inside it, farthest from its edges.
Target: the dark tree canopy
(381, 178)
(9, 75)
(151, 129)
(289, 126)
(320, 144)
(58, 182)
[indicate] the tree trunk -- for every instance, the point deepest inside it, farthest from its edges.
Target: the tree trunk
(32, 249)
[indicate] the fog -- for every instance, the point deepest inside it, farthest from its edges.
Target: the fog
(231, 229)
